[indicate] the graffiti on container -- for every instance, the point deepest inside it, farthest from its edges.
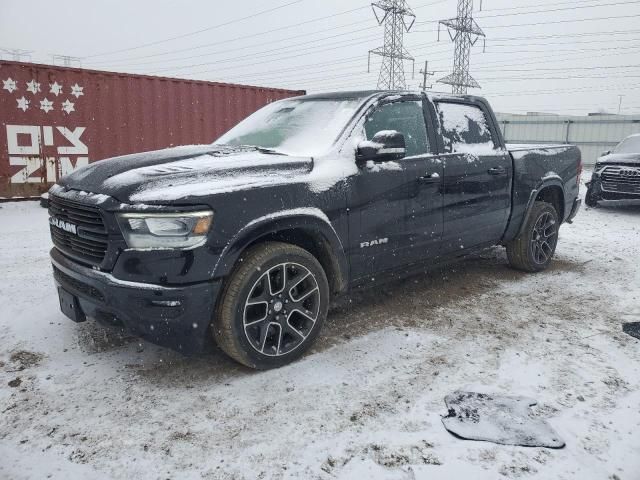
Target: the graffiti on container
(25, 144)
(44, 153)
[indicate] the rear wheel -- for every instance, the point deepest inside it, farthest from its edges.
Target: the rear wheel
(273, 307)
(533, 250)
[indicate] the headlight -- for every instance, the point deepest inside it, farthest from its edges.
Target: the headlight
(165, 230)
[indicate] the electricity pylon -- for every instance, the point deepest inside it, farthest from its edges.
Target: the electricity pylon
(467, 33)
(397, 17)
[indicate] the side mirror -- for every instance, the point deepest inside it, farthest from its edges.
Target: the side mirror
(604, 154)
(384, 146)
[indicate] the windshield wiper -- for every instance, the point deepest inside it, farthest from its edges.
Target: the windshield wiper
(269, 151)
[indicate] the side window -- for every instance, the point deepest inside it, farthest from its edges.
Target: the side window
(404, 117)
(464, 128)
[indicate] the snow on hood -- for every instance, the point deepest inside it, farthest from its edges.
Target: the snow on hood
(621, 158)
(183, 172)
(201, 170)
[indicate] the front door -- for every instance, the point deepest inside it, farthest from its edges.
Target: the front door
(477, 178)
(395, 207)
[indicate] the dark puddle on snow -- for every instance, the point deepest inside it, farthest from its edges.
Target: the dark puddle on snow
(505, 420)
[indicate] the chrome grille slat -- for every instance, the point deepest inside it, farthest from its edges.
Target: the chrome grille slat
(621, 179)
(90, 243)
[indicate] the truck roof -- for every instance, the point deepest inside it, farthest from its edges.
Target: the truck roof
(384, 93)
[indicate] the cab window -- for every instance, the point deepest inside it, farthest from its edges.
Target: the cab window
(404, 117)
(463, 127)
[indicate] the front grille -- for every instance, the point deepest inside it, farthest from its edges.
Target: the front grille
(621, 179)
(81, 287)
(89, 243)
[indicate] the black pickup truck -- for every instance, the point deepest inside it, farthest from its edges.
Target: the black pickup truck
(245, 241)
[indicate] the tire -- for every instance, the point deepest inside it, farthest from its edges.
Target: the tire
(273, 307)
(533, 250)
(591, 198)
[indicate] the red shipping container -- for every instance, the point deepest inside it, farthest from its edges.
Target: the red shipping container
(55, 119)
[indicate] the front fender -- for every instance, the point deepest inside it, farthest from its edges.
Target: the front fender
(311, 221)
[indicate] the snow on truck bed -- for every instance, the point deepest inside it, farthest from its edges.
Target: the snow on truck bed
(514, 147)
(366, 403)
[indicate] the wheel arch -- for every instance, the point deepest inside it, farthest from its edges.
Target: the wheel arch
(310, 230)
(549, 190)
(553, 193)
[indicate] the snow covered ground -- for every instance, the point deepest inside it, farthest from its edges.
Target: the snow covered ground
(366, 403)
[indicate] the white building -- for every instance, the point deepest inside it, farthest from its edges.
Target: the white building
(594, 134)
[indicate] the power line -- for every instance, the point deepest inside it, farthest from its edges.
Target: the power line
(525, 61)
(242, 37)
(324, 77)
(566, 90)
(552, 4)
(265, 53)
(569, 77)
(632, 2)
(322, 67)
(564, 35)
(419, 47)
(196, 32)
(578, 20)
(353, 85)
(259, 53)
(559, 9)
(261, 44)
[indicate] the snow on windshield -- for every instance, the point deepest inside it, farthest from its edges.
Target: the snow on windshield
(295, 127)
(465, 129)
(629, 145)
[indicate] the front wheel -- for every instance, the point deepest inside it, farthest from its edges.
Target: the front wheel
(273, 306)
(533, 250)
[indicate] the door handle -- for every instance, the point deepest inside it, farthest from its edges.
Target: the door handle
(497, 171)
(430, 178)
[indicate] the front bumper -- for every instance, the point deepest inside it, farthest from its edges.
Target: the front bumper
(600, 188)
(175, 317)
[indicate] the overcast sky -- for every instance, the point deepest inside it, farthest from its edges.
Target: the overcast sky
(573, 56)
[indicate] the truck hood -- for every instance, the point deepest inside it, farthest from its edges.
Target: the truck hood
(184, 173)
(620, 159)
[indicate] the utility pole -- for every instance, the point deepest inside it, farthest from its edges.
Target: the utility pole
(620, 104)
(426, 73)
(397, 17)
(467, 33)
(67, 60)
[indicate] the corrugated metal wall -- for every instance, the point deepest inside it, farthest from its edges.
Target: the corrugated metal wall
(56, 119)
(593, 134)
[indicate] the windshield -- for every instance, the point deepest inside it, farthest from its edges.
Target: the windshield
(629, 145)
(294, 127)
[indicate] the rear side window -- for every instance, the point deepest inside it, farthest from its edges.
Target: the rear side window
(465, 128)
(404, 117)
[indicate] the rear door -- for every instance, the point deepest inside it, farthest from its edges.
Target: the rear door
(477, 177)
(395, 216)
